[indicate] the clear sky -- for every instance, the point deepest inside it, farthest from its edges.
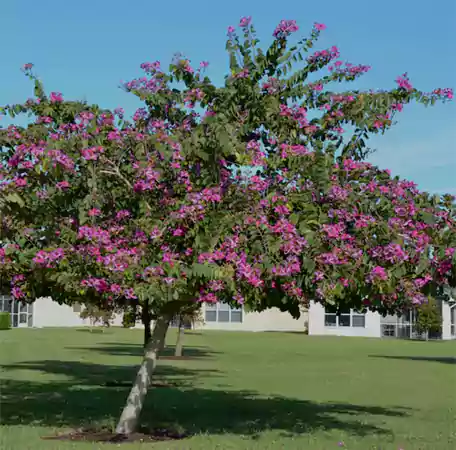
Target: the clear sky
(85, 48)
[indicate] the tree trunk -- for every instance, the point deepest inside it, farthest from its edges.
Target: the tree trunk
(146, 319)
(180, 337)
(130, 415)
(147, 334)
(163, 344)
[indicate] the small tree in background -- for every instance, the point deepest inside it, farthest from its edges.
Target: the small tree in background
(187, 318)
(428, 318)
(96, 315)
(251, 193)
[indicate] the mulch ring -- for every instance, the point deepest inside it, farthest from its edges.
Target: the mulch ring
(88, 435)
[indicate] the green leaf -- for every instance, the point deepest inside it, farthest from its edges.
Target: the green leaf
(14, 197)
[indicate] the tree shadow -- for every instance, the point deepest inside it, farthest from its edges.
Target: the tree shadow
(116, 349)
(298, 332)
(82, 400)
(87, 374)
(441, 359)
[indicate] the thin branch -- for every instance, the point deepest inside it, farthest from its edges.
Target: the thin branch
(117, 173)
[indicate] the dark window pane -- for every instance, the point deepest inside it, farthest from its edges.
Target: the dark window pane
(174, 322)
(9, 306)
(344, 310)
(330, 309)
(211, 316)
(14, 320)
(388, 330)
(30, 320)
(223, 316)
(15, 306)
(359, 321)
(330, 320)
(23, 307)
(236, 316)
(344, 320)
(23, 318)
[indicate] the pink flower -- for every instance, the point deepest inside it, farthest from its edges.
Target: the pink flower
(285, 28)
(92, 153)
(239, 299)
(17, 293)
(94, 212)
(245, 22)
(178, 232)
(404, 82)
(27, 66)
(56, 97)
(377, 274)
(62, 185)
(319, 26)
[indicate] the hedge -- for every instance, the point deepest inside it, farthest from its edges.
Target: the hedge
(5, 321)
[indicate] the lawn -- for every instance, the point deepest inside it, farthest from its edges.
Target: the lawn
(239, 390)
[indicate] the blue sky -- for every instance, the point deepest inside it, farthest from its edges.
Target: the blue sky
(85, 48)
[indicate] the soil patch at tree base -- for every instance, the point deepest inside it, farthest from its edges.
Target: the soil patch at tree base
(109, 437)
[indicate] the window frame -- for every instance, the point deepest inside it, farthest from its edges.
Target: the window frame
(225, 308)
(337, 323)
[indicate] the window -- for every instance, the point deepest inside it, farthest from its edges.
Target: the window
(223, 313)
(21, 313)
(345, 318)
(6, 303)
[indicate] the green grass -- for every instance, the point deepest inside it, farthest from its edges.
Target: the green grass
(241, 390)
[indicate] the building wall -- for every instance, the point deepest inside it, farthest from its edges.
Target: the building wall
(448, 313)
(270, 320)
(47, 313)
(317, 324)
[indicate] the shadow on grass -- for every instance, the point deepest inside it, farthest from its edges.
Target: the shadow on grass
(440, 359)
(302, 332)
(80, 400)
(116, 349)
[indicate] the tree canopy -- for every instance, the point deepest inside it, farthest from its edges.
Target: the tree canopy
(245, 192)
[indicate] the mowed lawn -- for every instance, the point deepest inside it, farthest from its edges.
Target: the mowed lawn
(239, 390)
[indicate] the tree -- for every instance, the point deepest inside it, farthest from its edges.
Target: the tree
(244, 193)
(97, 315)
(429, 318)
(186, 317)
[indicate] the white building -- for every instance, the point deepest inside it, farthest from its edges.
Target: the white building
(371, 324)
(317, 321)
(46, 313)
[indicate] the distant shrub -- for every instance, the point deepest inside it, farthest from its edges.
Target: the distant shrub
(5, 321)
(97, 315)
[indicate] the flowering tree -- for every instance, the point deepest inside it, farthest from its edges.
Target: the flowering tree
(246, 193)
